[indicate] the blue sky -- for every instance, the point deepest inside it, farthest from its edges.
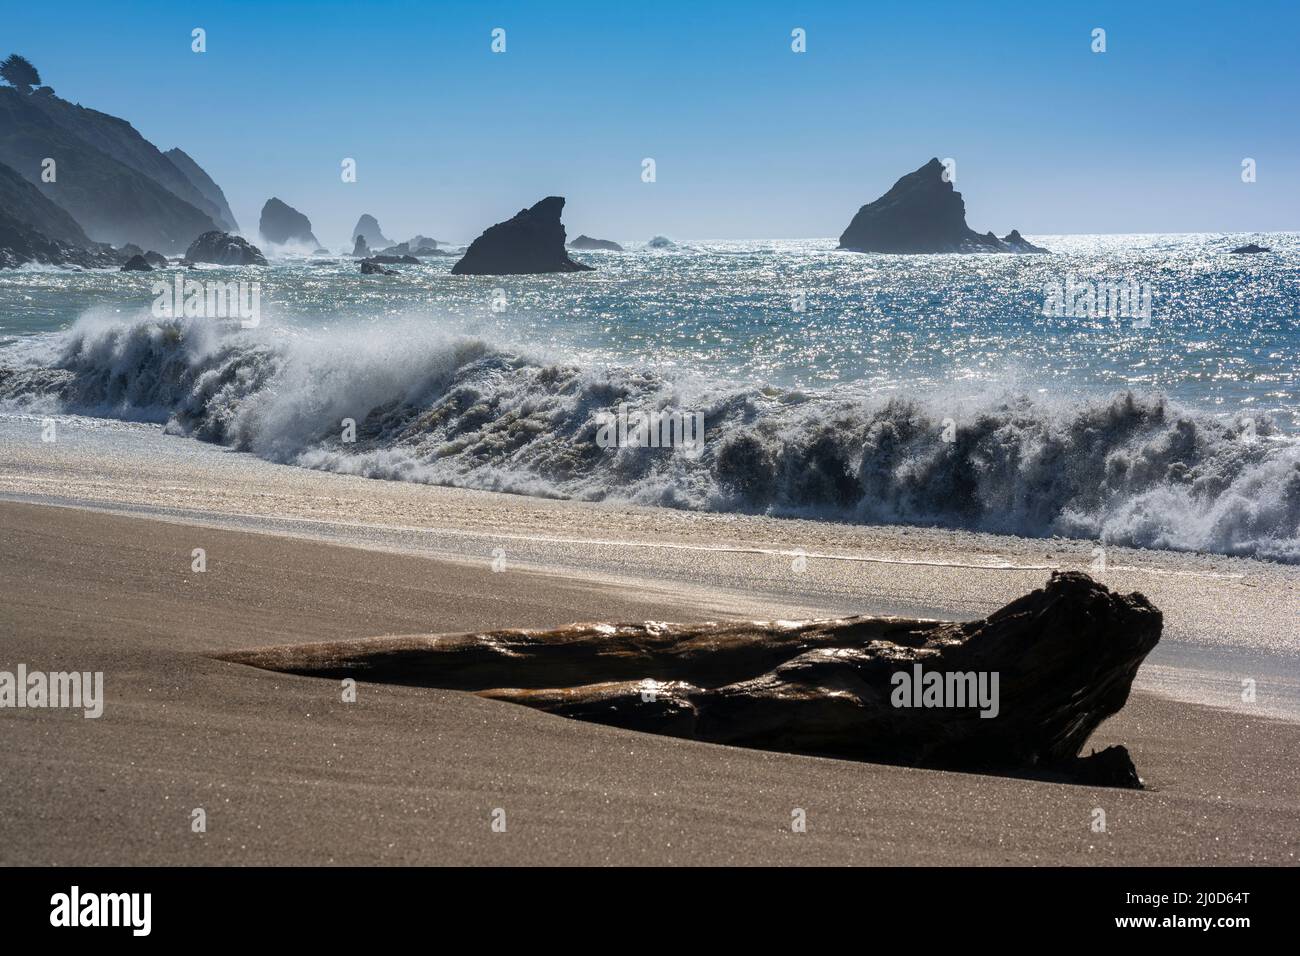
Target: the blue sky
(751, 140)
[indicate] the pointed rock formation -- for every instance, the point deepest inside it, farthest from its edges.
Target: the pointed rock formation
(137, 264)
(360, 248)
(1019, 691)
(368, 228)
(922, 213)
(531, 242)
(281, 224)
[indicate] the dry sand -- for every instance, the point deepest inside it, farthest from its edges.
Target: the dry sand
(288, 773)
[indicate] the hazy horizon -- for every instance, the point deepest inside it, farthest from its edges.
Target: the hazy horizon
(751, 140)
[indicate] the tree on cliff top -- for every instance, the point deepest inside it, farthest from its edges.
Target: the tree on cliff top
(18, 71)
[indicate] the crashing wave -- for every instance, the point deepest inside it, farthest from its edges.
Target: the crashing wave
(1129, 469)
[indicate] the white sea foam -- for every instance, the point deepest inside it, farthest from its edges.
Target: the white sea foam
(1128, 468)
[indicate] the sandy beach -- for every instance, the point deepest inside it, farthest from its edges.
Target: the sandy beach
(95, 560)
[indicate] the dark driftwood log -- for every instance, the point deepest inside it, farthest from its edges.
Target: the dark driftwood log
(1065, 657)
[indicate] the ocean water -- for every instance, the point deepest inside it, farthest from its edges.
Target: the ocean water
(927, 390)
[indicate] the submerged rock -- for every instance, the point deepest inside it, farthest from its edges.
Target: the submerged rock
(922, 213)
(225, 250)
(1249, 249)
(1019, 691)
(586, 242)
(531, 242)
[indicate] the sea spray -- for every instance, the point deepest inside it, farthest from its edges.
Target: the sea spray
(1126, 469)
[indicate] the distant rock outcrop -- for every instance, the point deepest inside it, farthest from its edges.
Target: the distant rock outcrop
(21, 244)
(224, 250)
(586, 242)
(922, 213)
(368, 228)
(1249, 249)
(137, 264)
(281, 224)
(529, 243)
(369, 267)
(1019, 243)
(661, 242)
(206, 187)
(132, 251)
(405, 260)
(360, 248)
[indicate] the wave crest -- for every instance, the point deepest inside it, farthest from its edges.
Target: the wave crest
(1128, 469)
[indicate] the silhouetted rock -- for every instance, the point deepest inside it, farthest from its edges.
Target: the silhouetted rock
(137, 264)
(368, 227)
(369, 267)
(529, 243)
(661, 242)
(21, 244)
(586, 242)
(387, 259)
(224, 249)
(1019, 243)
(281, 224)
(922, 213)
(360, 248)
(1250, 249)
(1019, 691)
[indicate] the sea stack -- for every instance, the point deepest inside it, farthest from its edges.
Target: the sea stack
(224, 250)
(603, 245)
(922, 213)
(529, 243)
(281, 224)
(367, 227)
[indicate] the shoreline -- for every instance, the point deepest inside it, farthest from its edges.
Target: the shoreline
(409, 775)
(1227, 618)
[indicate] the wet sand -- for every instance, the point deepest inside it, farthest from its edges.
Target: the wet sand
(286, 772)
